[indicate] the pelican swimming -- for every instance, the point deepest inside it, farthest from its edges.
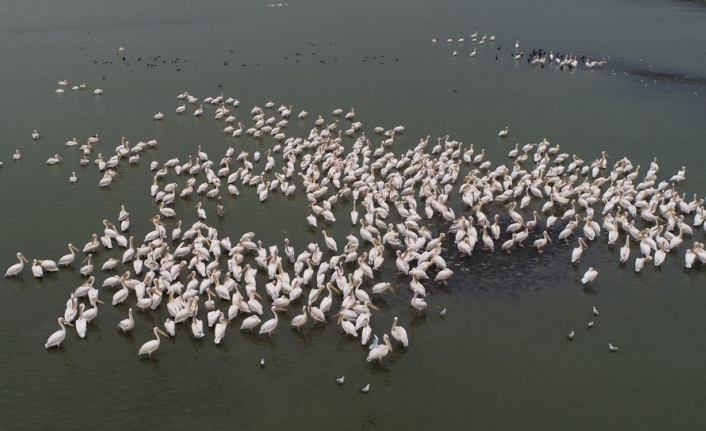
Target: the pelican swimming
(503, 132)
(152, 345)
(35, 134)
(54, 160)
(158, 116)
(57, 337)
(16, 268)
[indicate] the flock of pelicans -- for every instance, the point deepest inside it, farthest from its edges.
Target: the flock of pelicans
(538, 57)
(542, 195)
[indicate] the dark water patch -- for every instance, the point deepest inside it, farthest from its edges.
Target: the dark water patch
(524, 269)
(667, 77)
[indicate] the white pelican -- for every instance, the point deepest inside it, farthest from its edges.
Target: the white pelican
(81, 322)
(595, 312)
(16, 268)
(180, 109)
(54, 160)
(92, 245)
(571, 335)
(418, 304)
(17, 155)
(503, 132)
(542, 242)
(199, 111)
(271, 324)
(127, 324)
(152, 345)
(442, 276)
(340, 380)
(57, 337)
(221, 328)
(250, 322)
(612, 348)
(197, 327)
(589, 276)
(165, 211)
(37, 270)
(158, 115)
(366, 388)
(67, 259)
(88, 267)
(35, 134)
(49, 265)
(97, 91)
(399, 333)
(379, 352)
(170, 327)
(330, 242)
(73, 178)
(300, 320)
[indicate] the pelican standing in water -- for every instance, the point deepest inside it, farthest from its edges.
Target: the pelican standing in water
(271, 324)
(152, 345)
(67, 259)
(16, 268)
(57, 337)
(399, 333)
(503, 132)
(127, 324)
(381, 350)
(589, 276)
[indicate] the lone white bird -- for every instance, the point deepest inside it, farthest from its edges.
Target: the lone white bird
(127, 324)
(589, 276)
(595, 311)
(366, 388)
(612, 348)
(341, 379)
(152, 345)
(57, 337)
(571, 335)
(503, 132)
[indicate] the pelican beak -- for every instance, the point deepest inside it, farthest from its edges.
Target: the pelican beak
(68, 323)
(334, 288)
(99, 301)
(24, 258)
(159, 331)
(74, 248)
(84, 260)
(373, 307)
(280, 309)
(389, 287)
(258, 295)
(210, 292)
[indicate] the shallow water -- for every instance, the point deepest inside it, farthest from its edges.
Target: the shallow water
(499, 359)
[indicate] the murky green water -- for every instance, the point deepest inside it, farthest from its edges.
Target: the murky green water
(499, 359)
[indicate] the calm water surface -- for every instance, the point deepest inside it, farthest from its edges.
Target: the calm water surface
(499, 358)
